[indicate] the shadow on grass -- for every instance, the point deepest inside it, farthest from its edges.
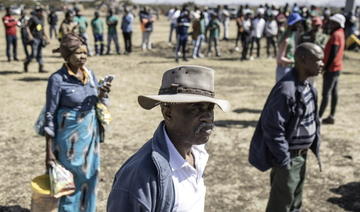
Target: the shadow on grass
(247, 110)
(32, 79)
(350, 196)
(227, 58)
(15, 208)
(156, 62)
(235, 123)
(10, 72)
(350, 73)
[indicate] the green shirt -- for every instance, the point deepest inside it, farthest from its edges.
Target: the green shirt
(214, 28)
(82, 23)
(97, 26)
(112, 21)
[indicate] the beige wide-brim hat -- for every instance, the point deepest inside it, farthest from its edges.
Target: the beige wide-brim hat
(185, 84)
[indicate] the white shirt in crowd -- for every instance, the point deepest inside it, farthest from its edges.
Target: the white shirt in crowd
(271, 28)
(173, 15)
(259, 25)
(188, 181)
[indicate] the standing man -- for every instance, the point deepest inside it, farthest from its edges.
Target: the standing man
(172, 17)
(147, 25)
(82, 23)
(24, 32)
(127, 28)
(166, 174)
(52, 21)
(225, 20)
(112, 21)
(334, 53)
(214, 32)
(182, 28)
(10, 24)
(97, 26)
(288, 127)
(257, 32)
(271, 33)
(37, 38)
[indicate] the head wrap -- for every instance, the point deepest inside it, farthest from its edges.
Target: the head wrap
(69, 43)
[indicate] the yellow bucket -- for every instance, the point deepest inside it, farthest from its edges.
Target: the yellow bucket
(41, 198)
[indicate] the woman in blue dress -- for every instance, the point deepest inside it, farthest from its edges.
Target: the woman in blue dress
(71, 127)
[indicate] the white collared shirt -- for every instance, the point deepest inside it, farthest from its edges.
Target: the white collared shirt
(188, 182)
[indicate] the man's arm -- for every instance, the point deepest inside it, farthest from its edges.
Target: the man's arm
(333, 52)
(275, 117)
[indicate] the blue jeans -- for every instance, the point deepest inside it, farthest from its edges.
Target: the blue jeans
(99, 40)
(197, 47)
(11, 40)
(36, 51)
(113, 37)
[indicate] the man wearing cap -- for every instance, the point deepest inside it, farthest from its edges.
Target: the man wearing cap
(333, 60)
(166, 174)
(315, 35)
(287, 129)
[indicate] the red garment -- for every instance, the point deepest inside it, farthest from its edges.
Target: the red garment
(337, 38)
(10, 24)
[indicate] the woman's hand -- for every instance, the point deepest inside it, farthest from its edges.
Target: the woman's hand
(104, 90)
(50, 157)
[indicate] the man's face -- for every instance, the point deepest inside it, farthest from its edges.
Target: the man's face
(314, 63)
(79, 57)
(334, 25)
(191, 123)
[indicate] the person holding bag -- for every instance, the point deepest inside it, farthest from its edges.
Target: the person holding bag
(72, 129)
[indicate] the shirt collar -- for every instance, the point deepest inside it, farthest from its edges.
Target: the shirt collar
(71, 73)
(176, 160)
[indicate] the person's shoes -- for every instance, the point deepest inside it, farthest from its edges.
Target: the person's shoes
(251, 58)
(194, 57)
(26, 66)
(185, 59)
(16, 59)
(177, 60)
(328, 120)
(41, 69)
(218, 55)
(237, 49)
(9, 59)
(200, 56)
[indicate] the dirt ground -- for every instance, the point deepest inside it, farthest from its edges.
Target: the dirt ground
(232, 184)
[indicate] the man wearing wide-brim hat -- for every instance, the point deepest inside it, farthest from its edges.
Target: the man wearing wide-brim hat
(166, 173)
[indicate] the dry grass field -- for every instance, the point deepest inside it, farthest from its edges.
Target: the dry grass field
(232, 184)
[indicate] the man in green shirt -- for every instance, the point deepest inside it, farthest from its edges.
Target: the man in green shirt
(97, 26)
(112, 21)
(82, 27)
(214, 31)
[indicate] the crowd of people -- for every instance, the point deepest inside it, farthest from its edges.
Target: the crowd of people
(166, 174)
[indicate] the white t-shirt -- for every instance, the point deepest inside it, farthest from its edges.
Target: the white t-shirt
(259, 25)
(188, 182)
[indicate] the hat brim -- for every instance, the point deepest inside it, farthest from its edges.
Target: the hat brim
(149, 101)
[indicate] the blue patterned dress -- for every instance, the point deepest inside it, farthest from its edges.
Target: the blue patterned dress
(71, 120)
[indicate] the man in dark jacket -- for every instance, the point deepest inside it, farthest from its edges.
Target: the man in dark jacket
(288, 127)
(166, 174)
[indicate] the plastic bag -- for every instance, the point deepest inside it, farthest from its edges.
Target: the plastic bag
(103, 114)
(61, 181)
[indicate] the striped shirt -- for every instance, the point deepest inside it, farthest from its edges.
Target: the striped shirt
(306, 132)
